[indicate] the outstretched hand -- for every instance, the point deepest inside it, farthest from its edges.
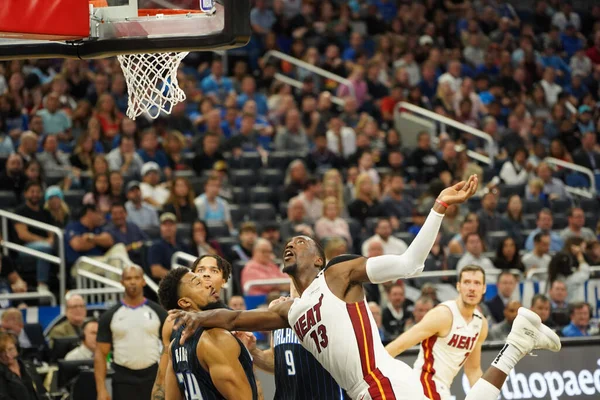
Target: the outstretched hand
(460, 192)
(191, 321)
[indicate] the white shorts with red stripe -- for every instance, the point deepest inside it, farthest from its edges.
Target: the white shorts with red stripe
(433, 388)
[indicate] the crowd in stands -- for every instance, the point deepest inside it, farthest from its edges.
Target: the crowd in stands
(248, 161)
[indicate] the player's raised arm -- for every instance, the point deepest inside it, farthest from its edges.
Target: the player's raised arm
(432, 324)
(473, 369)
(391, 267)
(270, 319)
(218, 351)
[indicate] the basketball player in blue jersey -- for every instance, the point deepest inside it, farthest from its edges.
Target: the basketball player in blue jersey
(298, 375)
(213, 364)
(212, 269)
(333, 322)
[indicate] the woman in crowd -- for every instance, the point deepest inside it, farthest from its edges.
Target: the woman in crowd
(84, 153)
(100, 194)
(173, 146)
(34, 172)
(514, 171)
(16, 381)
(570, 265)
(365, 204)
(507, 255)
(295, 179)
(513, 219)
(330, 224)
(201, 243)
(109, 117)
(99, 165)
(117, 195)
(181, 201)
(56, 206)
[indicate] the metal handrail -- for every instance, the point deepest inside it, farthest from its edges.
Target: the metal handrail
(265, 282)
(448, 121)
(60, 237)
(315, 70)
(183, 256)
(109, 268)
(28, 296)
(111, 294)
(574, 167)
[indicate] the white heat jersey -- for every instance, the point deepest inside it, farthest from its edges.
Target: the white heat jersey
(440, 358)
(345, 340)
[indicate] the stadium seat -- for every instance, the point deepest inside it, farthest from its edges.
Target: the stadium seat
(508, 190)
(560, 205)
(407, 237)
(474, 204)
(240, 195)
(589, 205)
(261, 194)
(217, 229)
(494, 238)
(197, 183)
(560, 221)
(238, 213)
(74, 198)
(243, 177)
(8, 199)
(530, 221)
(488, 174)
(279, 160)
(502, 204)
(532, 206)
(251, 161)
(370, 225)
(283, 205)
(591, 220)
(271, 177)
(236, 277)
(453, 261)
(262, 212)
(184, 231)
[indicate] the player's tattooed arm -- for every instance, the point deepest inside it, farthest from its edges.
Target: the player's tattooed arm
(269, 319)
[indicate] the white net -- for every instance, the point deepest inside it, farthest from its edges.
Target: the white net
(152, 82)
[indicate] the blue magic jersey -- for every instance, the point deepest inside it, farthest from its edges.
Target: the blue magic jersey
(298, 375)
(193, 380)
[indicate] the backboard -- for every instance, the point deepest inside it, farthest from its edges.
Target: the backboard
(104, 28)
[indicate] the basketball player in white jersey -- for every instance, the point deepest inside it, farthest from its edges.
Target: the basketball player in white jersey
(333, 322)
(451, 336)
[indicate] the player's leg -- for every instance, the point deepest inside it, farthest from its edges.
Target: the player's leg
(527, 334)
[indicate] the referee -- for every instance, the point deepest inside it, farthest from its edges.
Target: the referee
(131, 330)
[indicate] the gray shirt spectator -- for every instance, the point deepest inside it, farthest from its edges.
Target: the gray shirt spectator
(292, 136)
(576, 227)
(125, 159)
(138, 212)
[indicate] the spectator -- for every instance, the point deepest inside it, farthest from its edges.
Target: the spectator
(135, 341)
(395, 201)
(335, 247)
(539, 258)
(558, 300)
(127, 233)
(270, 231)
(422, 306)
(365, 204)
(201, 242)
(243, 250)
(116, 182)
(27, 148)
(181, 201)
(587, 156)
(456, 246)
(490, 219)
(149, 151)
(36, 238)
(85, 351)
(500, 331)
(296, 223)
(452, 77)
(216, 85)
(424, 159)
(376, 312)
(512, 220)
(261, 266)
(153, 192)
(125, 159)
(540, 305)
(366, 166)
(551, 88)
(30, 337)
(580, 321)
(321, 157)
(430, 291)
(100, 194)
(396, 312)
(295, 179)
(544, 224)
(208, 154)
(17, 382)
(237, 303)
(507, 256)
(474, 254)
(506, 284)
(10, 278)
(75, 314)
(310, 198)
(56, 121)
(161, 252)
(84, 237)
(211, 207)
(514, 172)
(576, 226)
(139, 212)
(249, 94)
(383, 233)
(570, 265)
(52, 158)
(341, 140)
(109, 116)
(566, 16)
(330, 224)
(292, 136)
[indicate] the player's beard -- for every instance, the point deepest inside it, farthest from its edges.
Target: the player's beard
(290, 269)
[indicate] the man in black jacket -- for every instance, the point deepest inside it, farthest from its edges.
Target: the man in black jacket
(16, 380)
(506, 284)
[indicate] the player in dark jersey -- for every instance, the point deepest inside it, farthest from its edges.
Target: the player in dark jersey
(214, 364)
(213, 269)
(298, 375)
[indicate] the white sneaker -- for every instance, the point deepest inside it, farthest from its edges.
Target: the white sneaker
(528, 333)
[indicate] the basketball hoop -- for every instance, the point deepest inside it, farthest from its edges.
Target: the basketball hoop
(152, 83)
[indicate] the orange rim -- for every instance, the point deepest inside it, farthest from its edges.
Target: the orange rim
(151, 12)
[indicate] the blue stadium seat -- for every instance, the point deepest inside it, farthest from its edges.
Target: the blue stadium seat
(243, 177)
(261, 194)
(262, 212)
(217, 229)
(271, 177)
